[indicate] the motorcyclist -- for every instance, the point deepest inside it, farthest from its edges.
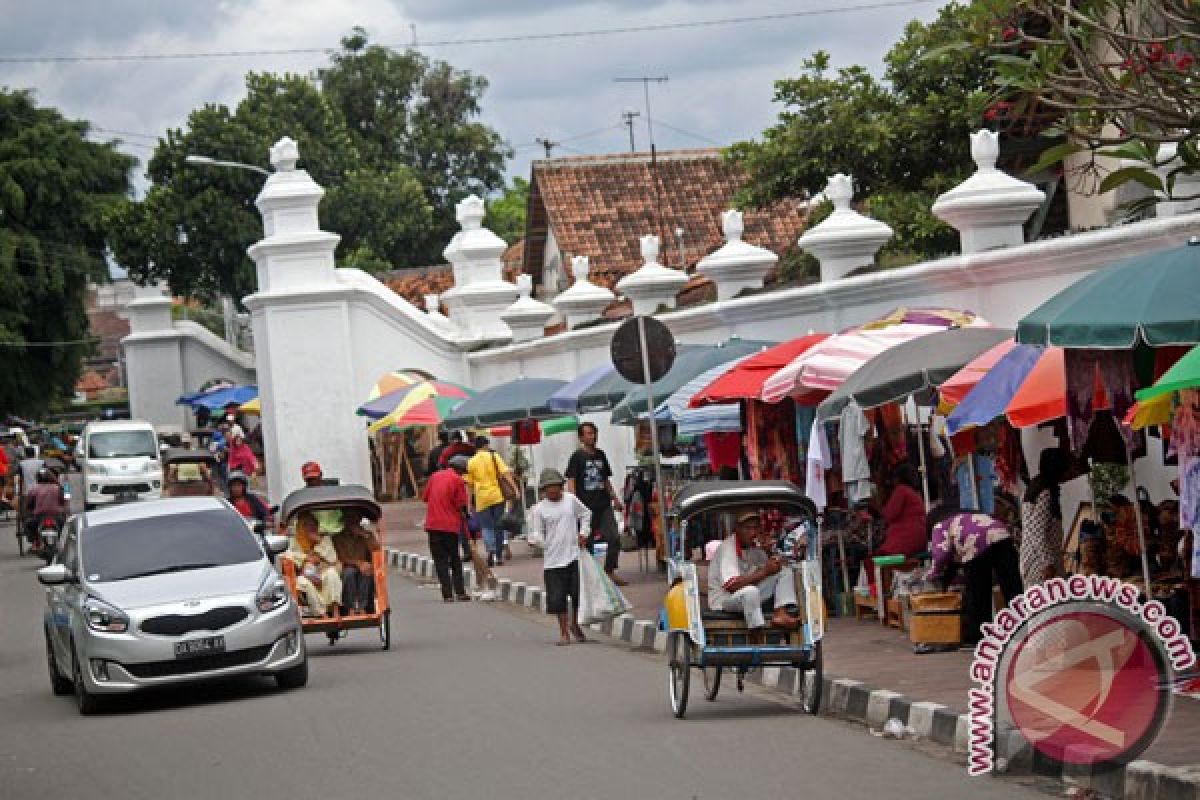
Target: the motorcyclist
(247, 503)
(45, 499)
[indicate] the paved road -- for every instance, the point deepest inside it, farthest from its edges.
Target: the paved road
(472, 702)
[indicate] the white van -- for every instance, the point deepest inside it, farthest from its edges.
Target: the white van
(119, 458)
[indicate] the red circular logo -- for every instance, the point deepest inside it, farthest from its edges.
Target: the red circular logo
(1083, 687)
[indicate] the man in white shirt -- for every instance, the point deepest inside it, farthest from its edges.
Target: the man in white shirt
(742, 577)
(564, 524)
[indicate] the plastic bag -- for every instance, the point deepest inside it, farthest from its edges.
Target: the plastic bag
(533, 537)
(599, 598)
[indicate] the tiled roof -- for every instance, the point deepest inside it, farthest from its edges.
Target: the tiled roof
(414, 283)
(599, 206)
(91, 382)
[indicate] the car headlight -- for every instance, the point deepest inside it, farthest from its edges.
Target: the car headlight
(272, 594)
(103, 617)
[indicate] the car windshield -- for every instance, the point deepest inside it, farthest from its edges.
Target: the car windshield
(157, 545)
(122, 444)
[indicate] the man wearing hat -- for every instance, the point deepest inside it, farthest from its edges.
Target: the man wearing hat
(743, 578)
(445, 499)
(311, 473)
(564, 523)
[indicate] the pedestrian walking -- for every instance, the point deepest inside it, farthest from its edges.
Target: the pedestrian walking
(491, 480)
(445, 499)
(589, 477)
(435, 454)
(563, 522)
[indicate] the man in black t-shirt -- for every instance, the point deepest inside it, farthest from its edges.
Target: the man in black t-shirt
(589, 478)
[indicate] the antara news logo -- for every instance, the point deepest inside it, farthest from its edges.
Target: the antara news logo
(1081, 668)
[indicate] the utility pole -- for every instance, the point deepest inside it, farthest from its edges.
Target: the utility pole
(646, 80)
(547, 144)
(628, 115)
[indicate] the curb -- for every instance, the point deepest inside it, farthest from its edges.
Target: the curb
(856, 701)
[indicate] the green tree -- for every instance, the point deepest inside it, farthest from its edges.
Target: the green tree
(390, 136)
(506, 214)
(56, 189)
(904, 138)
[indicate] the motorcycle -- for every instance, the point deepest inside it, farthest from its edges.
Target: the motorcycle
(45, 537)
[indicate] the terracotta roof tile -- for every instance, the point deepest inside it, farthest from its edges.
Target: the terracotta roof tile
(599, 206)
(91, 382)
(414, 283)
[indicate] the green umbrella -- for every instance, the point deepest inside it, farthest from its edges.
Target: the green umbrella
(524, 398)
(1153, 297)
(687, 365)
(1185, 374)
(911, 367)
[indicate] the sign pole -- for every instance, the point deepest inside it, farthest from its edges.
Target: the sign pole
(658, 476)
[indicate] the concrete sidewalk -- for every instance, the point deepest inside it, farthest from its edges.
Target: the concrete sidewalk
(866, 652)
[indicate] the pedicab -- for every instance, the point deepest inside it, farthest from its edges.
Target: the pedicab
(349, 499)
(715, 641)
(189, 473)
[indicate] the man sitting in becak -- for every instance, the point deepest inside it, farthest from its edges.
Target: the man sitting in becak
(742, 577)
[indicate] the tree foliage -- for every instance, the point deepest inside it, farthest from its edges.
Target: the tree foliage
(1116, 77)
(392, 136)
(904, 139)
(506, 214)
(56, 191)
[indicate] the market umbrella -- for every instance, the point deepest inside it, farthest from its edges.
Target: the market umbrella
(1185, 374)
(744, 381)
(912, 367)
(686, 366)
(952, 392)
(524, 398)
(252, 406)
(219, 398)
(826, 365)
(1043, 394)
(600, 388)
(1152, 298)
(421, 409)
(396, 379)
(680, 399)
(1155, 411)
(386, 404)
(991, 394)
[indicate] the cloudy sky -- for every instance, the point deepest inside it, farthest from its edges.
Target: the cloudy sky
(719, 91)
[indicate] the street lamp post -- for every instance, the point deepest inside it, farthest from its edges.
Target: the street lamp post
(227, 308)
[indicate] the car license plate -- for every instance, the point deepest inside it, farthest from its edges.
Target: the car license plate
(200, 647)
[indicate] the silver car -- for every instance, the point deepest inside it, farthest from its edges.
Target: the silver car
(164, 592)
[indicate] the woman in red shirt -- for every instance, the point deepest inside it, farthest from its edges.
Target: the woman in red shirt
(904, 514)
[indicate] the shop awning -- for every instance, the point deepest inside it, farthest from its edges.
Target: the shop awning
(524, 398)
(745, 380)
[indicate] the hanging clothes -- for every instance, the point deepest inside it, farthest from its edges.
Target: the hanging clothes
(771, 441)
(724, 450)
(817, 462)
(856, 469)
(1114, 371)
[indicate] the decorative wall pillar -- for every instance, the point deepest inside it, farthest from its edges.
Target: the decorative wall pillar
(738, 265)
(652, 285)
(527, 318)
(583, 301)
(154, 359)
(989, 208)
(846, 239)
(304, 342)
(480, 293)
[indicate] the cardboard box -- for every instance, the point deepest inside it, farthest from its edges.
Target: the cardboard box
(942, 627)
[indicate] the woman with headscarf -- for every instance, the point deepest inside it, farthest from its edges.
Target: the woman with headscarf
(1042, 522)
(904, 514)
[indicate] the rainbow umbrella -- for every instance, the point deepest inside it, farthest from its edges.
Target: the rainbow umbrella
(385, 404)
(426, 403)
(396, 379)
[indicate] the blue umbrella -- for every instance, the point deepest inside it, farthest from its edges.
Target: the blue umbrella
(996, 389)
(719, 418)
(571, 398)
(220, 398)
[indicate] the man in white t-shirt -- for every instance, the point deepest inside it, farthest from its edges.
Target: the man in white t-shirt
(742, 577)
(564, 524)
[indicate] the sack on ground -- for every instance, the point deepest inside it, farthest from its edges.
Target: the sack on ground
(599, 598)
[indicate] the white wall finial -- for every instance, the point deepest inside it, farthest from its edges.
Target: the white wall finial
(989, 208)
(469, 213)
(527, 318)
(737, 265)
(652, 285)
(846, 239)
(840, 190)
(284, 154)
(580, 267)
(525, 284)
(649, 248)
(732, 225)
(985, 149)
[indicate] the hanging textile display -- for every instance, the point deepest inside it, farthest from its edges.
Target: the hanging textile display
(817, 462)
(724, 450)
(771, 441)
(1114, 368)
(1185, 445)
(852, 444)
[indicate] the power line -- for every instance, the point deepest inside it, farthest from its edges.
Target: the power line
(134, 134)
(695, 136)
(62, 343)
(527, 37)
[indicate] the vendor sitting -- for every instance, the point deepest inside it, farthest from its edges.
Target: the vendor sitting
(742, 577)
